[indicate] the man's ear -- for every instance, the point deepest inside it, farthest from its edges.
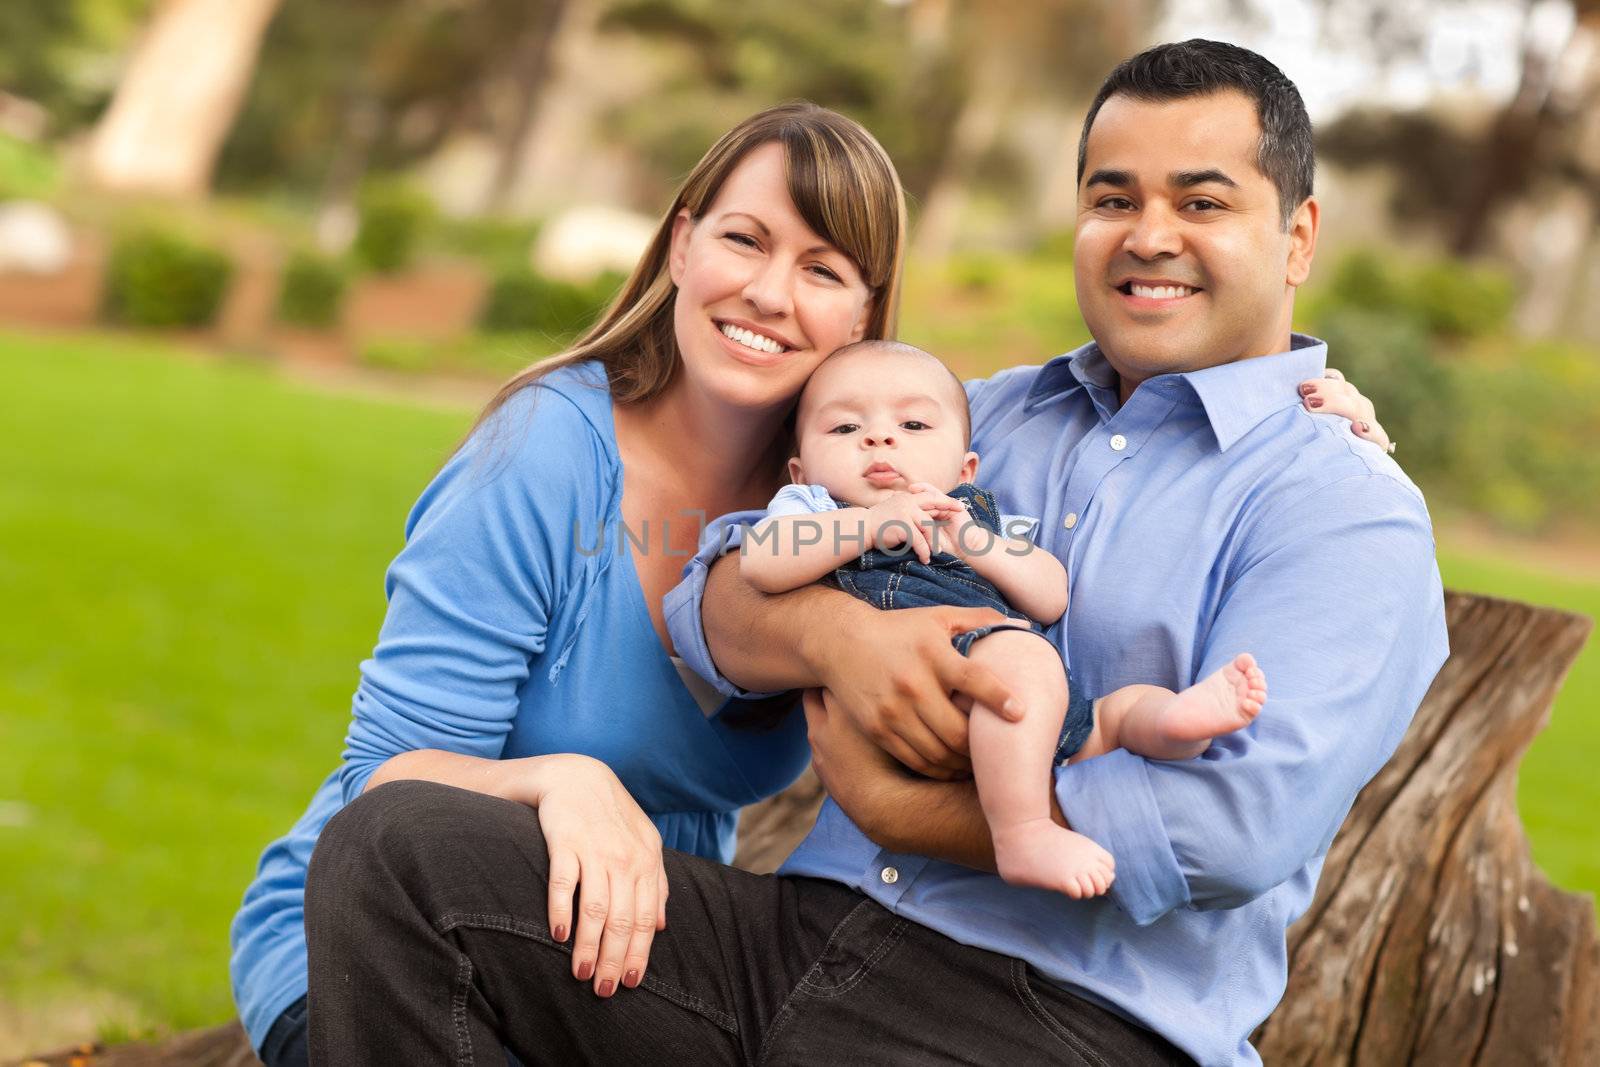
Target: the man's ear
(797, 474)
(1303, 241)
(969, 467)
(678, 253)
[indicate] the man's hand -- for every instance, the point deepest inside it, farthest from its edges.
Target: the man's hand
(896, 679)
(861, 777)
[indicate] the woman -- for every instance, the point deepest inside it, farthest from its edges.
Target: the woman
(524, 653)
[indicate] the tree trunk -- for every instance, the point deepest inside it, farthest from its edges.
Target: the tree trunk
(532, 63)
(179, 96)
(1433, 939)
(976, 129)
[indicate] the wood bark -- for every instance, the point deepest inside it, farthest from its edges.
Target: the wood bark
(179, 96)
(1432, 938)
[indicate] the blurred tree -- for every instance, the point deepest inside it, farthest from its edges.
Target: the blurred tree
(179, 96)
(56, 56)
(940, 82)
(1457, 180)
(723, 62)
(385, 83)
(1057, 50)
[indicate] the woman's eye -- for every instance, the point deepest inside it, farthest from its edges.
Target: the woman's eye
(844, 428)
(914, 424)
(742, 239)
(826, 272)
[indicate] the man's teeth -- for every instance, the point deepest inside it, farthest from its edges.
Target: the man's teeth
(751, 340)
(1161, 292)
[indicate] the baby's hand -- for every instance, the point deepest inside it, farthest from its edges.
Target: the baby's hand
(909, 516)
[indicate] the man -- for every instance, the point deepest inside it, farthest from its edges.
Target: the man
(1200, 513)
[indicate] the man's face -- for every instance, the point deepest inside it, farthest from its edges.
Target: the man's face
(1181, 258)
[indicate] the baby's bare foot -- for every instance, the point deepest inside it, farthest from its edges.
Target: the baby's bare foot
(1040, 853)
(1220, 703)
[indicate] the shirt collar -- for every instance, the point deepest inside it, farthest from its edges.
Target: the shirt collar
(1236, 396)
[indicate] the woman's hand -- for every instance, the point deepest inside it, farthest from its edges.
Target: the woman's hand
(1332, 395)
(604, 847)
(896, 678)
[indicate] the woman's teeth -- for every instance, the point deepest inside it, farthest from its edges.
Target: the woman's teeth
(1160, 292)
(751, 340)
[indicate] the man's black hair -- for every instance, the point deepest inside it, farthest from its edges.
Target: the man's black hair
(1198, 68)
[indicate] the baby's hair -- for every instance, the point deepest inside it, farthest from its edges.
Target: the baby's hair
(900, 348)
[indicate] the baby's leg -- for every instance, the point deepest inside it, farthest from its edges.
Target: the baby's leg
(1011, 762)
(1161, 724)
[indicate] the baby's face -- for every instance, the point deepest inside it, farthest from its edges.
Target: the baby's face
(873, 423)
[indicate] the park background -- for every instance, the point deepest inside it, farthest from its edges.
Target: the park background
(260, 261)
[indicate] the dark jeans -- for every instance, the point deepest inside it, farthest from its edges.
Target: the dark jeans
(425, 916)
(287, 1042)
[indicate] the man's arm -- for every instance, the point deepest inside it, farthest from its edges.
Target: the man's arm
(894, 671)
(1338, 597)
(1347, 670)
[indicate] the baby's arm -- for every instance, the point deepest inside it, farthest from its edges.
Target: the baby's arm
(1031, 579)
(788, 551)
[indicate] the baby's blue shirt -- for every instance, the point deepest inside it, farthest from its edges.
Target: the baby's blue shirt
(517, 627)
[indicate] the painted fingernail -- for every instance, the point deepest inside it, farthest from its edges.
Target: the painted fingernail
(585, 970)
(559, 933)
(1315, 401)
(1307, 389)
(607, 987)
(1366, 427)
(631, 979)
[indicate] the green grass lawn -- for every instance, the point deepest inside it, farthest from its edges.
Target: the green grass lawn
(191, 560)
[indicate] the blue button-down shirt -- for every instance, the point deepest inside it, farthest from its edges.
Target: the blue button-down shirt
(1209, 515)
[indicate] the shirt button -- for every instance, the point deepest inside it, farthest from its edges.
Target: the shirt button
(1071, 520)
(1118, 442)
(890, 876)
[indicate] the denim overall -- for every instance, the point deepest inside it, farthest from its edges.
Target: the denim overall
(898, 579)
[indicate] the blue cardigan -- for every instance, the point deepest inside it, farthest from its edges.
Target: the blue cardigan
(517, 627)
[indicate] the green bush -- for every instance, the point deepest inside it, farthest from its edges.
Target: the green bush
(503, 244)
(1391, 359)
(393, 219)
(1458, 301)
(1449, 299)
(1528, 439)
(521, 300)
(27, 170)
(977, 272)
(313, 289)
(161, 279)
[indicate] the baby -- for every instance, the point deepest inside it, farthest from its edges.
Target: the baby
(882, 505)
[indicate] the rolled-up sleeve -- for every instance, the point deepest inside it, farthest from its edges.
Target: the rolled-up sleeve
(682, 604)
(1338, 597)
(493, 548)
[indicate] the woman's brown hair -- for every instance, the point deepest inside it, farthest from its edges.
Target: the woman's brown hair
(841, 181)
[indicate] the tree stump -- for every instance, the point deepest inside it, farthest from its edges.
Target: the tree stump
(1432, 938)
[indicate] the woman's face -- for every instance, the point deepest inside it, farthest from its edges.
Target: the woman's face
(762, 299)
